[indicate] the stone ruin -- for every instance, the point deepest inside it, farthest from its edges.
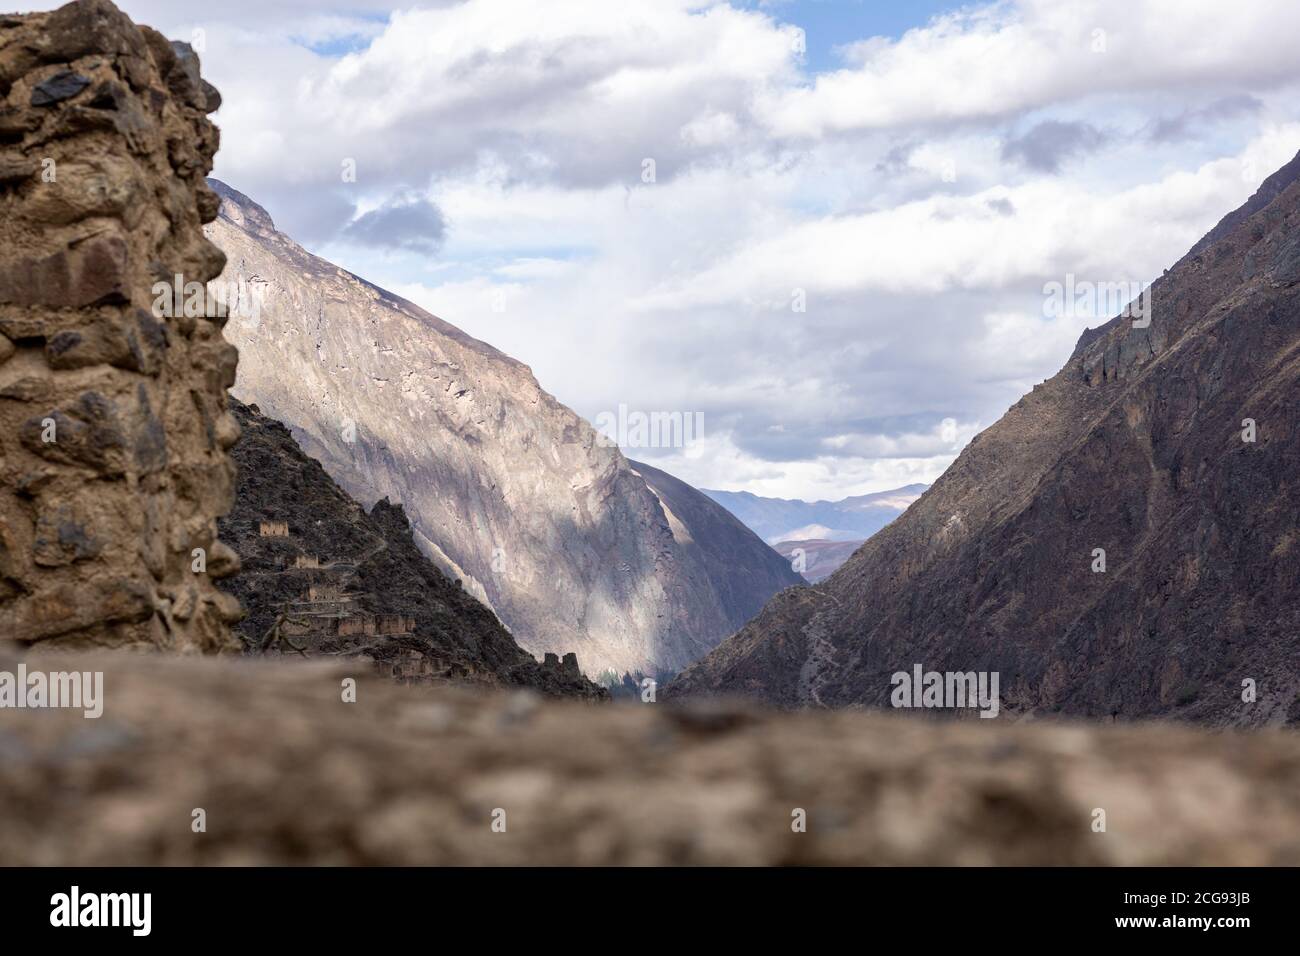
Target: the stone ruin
(113, 416)
(386, 625)
(390, 624)
(273, 529)
(326, 592)
(406, 665)
(354, 626)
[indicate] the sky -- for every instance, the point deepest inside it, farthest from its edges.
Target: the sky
(824, 226)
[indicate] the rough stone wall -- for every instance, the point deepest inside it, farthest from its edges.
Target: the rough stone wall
(113, 418)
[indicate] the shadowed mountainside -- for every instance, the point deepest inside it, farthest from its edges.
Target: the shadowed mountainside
(1136, 447)
(321, 577)
(741, 568)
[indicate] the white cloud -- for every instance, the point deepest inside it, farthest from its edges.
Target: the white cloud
(718, 464)
(993, 61)
(883, 191)
(944, 243)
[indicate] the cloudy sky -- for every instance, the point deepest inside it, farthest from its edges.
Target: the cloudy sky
(910, 173)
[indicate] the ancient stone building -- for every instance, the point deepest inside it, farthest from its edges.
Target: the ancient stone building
(355, 626)
(396, 624)
(113, 370)
(325, 592)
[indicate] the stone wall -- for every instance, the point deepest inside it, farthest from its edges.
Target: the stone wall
(113, 417)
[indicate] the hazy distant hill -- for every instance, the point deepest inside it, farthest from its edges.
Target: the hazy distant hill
(849, 519)
(816, 559)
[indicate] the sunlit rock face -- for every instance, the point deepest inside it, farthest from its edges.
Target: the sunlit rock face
(506, 489)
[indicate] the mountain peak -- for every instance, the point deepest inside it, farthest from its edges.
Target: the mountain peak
(240, 210)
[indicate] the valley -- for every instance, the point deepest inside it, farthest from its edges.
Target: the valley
(1142, 447)
(295, 572)
(507, 491)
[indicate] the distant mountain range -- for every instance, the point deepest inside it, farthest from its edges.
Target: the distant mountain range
(1121, 544)
(816, 537)
(507, 490)
(849, 519)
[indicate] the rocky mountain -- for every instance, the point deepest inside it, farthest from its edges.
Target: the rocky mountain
(507, 490)
(850, 519)
(321, 577)
(740, 567)
(816, 559)
(1122, 543)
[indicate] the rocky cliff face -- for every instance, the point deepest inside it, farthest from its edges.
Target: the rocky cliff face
(507, 490)
(113, 421)
(322, 578)
(742, 570)
(1171, 450)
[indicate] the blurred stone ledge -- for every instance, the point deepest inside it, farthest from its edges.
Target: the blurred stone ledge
(288, 773)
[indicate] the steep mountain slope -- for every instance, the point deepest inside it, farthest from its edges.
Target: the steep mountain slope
(506, 489)
(850, 519)
(1135, 447)
(743, 571)
(321, 577)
